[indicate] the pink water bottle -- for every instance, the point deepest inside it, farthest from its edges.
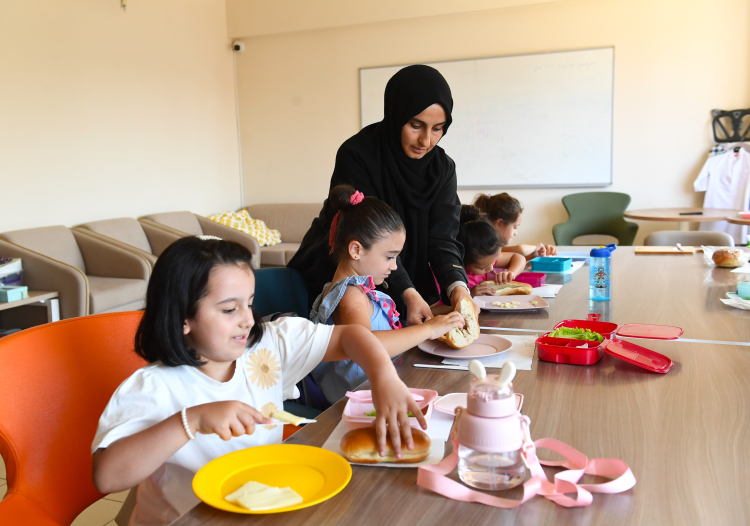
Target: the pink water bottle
(491, 431)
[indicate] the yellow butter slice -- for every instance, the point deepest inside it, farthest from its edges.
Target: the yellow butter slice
(288, 417)
(247, 489)
(270, 499)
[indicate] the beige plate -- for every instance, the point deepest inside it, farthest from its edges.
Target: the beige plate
(485, 302)
(485, 345)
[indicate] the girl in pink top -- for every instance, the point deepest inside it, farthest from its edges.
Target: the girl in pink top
(482, 253)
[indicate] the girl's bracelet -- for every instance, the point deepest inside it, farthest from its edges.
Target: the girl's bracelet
(185, 424)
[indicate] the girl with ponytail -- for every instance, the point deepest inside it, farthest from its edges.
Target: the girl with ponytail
(366, 237)
(505, 213)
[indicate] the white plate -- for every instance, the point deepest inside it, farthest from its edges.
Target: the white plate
(447, 404)
(485, 345)
(524, 303)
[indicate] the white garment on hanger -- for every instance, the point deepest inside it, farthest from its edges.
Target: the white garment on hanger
(726, 180)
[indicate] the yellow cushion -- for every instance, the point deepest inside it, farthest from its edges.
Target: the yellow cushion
(253, 227)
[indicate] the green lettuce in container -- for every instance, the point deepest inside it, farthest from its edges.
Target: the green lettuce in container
(576, 334)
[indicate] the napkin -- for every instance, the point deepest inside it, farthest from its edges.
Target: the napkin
(575, 265)
(547, 291)
(737, 302)
(745, 269)
(521, 354)
(438, 429)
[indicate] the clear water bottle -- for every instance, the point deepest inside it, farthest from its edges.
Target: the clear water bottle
(491, 432)
(600, 267)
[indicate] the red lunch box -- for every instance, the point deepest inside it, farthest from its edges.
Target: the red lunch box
(583, 352)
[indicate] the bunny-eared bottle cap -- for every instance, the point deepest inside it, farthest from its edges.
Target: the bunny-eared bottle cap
(603, 252)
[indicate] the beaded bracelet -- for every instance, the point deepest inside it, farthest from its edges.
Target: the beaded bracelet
(185, 424)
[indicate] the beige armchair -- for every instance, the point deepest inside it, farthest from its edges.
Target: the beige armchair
(183, 224)
(145, 240)
(292, 221)
(91, 275)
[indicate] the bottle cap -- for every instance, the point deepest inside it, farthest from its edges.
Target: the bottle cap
(603, 252)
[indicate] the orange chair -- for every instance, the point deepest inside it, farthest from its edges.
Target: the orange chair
(55, 381)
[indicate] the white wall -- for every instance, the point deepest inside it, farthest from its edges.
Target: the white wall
(675, 60)
(108, 113)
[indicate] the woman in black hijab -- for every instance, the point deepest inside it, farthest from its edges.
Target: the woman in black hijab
(397, 161)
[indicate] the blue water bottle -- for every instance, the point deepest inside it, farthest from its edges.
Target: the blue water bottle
(600, 268)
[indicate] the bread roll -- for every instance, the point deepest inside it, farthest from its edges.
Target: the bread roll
(361, 446)
(728, 257)
(460, 338)
(513, 288)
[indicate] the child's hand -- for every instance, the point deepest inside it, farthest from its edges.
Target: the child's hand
(483, 289)
(550, 250)
(393, 401)
(505, 277)
(226, 419)
(442, 324)
(541, 250)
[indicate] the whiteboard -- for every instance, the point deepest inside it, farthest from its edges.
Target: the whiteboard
(522, 121)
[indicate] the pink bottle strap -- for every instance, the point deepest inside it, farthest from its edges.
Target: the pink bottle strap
(434, 477)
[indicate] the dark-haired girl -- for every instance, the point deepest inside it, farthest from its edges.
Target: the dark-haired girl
(484, 251)
(506, 213)
(215, 376)
(366, 237)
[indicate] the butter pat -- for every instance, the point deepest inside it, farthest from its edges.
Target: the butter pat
(287, 417)
(248, 489)
(270, 499)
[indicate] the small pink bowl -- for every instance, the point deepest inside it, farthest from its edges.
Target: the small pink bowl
(354, 412)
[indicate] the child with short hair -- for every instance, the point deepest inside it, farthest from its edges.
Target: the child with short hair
(215, 376)
(506, 213)
(366, 237)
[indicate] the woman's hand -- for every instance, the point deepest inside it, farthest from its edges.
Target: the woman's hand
(226, 419)
(483, 289)
(417, 310)
(393, 401)
(460, 293)
(440, 325)
(505, 277)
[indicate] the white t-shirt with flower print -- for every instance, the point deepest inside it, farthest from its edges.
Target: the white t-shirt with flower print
(264, 376)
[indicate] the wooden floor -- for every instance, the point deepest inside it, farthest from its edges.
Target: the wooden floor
(685, 435)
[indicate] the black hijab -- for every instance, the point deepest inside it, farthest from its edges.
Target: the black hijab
(409, 92)
(422, 191)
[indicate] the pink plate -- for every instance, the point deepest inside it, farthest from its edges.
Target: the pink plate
(524, 303)
(485, 345)
(447, 404)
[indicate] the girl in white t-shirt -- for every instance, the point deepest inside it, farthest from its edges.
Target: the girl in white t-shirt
(214, 377)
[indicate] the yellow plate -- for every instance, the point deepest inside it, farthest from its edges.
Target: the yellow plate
(316, 474)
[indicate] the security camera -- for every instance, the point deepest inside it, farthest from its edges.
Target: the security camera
(238, 45)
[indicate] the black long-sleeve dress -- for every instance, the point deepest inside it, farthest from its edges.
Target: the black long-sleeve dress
(422, 191)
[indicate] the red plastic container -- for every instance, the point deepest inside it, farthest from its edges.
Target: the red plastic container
(583, 352)
(535, 279)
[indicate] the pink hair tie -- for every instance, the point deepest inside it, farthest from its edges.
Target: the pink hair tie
(357, 197)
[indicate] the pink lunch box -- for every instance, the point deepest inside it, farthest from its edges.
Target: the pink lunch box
(355, 411)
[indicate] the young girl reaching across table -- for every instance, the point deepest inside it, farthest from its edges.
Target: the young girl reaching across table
(366, 236)
(215, 376)
(505, 213)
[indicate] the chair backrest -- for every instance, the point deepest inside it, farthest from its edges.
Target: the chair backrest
(55, 381)
(280, 290)
(124, 229)
(595, 213)
(666, 238)
(291, 220)
(183, 221)
(56, 242)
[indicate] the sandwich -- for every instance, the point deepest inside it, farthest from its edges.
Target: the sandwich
(512, 288)
(460, 338)
(361, 447)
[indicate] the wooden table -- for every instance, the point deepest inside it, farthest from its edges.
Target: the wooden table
(673, 215)
(738, 220)
(38, 298)
(685, 435)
